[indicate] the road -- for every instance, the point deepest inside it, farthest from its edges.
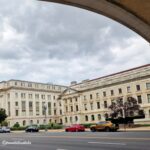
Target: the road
(76, 141)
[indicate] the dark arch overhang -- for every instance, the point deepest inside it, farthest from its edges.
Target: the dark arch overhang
(135, 14)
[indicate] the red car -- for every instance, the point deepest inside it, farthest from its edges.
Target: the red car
(75, 128)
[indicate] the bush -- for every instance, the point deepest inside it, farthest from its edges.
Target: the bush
(18, 128)
(16, 125)
(4, 123)
(87, 125)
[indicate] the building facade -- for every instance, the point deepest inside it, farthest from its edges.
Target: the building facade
(85, 102)
(88, 101)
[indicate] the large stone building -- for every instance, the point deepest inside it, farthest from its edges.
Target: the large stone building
(85, 102)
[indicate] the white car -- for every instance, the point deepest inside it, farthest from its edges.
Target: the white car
(5, 129)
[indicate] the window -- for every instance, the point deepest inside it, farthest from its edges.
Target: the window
(49, 97)
(70, 100)
(16, 103)
(91, 104)
(120, 91)
(30, 107)
(29, 84)
(66, 109)
(92, 117)
(66, 120)
(16, 95)
(23, 106)
(148, 98)
(148, 86)
(24, 123)
(49, 108)
(71, 108)
(99, 116)
(85, 106)
(138, 87)
(9, 109)
(23, 95)
(60, 112)
(54, 111)
(105, 104)
(112, 92)
(76, 118)
(97, 95)
(36, 96)
(30, 96)
(43, 108)
(86, 118)
(104, 94)
(91, 96)
(71, 119)
(15, 83)
(98, 105)
(84, 97)
(76, 99)
(17, 112)
(139, 98)
(128, 89)
(42, 96)
(37, 108)
(77, 108)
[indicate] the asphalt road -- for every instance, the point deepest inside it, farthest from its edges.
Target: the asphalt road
(76, 141)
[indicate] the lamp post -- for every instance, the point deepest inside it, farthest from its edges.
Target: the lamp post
(45, 108)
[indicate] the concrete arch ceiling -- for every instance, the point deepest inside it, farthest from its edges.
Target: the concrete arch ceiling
(135, 14)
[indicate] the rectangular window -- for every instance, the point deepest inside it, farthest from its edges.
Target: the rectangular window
(9, 109)
(98, 105)
(43, 108)
(139, 98)
(42, 96)
(23, 95)
(148, 98)
(17, 113)
(71, 108)
(91, 104)
(30, 106)
(16, 95)
(97, 95)
(84, 97)
(138, 87)
(90, 96)
(128, 89)
(77, 108)
(23, 106)
(104, 94)
(85, 106)
(49, 108)
(16, 103)
(148, 86)
(36, 96)
(37, 108)
(112, 92)
(105, 104)
(120, 91)
(30, 96)
(49, 97)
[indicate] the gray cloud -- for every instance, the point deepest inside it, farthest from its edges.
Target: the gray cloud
(49, 42)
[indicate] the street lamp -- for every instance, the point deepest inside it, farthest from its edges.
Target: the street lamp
(45, 108)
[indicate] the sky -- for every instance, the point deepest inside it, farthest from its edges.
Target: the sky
(54, 43)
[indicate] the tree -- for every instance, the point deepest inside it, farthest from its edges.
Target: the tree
(125, 111)
(3, 115)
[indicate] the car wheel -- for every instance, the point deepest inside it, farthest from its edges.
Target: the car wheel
(107, 129)
(93, 129)
(66, 130)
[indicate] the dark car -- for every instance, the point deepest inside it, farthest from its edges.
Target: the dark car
(75, 128)
(32, 129)
(104, 126)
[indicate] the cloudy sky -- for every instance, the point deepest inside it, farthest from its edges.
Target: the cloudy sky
(47, 42)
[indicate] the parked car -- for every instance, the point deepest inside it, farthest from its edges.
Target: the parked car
(32, 129)
(75, 128)
(6, 129)
(104, 126)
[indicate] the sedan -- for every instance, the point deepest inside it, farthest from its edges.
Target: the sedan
(75, 128)
(32, 129)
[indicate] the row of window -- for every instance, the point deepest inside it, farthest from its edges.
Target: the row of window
(112, 93)
(31, 96)
(36, 85)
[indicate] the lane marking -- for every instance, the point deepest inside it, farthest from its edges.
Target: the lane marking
(82, 137)
(107, 143)
(61, 149)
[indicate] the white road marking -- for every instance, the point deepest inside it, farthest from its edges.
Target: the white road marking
(61, 149)
(107, 143)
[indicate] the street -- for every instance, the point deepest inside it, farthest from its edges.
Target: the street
(76, 141)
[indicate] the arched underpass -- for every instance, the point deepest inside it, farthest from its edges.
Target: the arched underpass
(135, 14)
